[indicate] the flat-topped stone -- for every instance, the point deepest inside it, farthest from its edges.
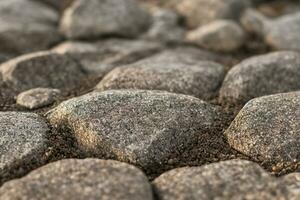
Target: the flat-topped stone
(232, 179)
(23, 143)
(267, 130)
(80, 179)
(146, 128)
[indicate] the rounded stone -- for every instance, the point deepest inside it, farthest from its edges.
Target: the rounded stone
(80, 179)
(232, 179)
(220, 35)
(292, 182)
(267, 74)
(146, 128)
(37, 98)
(201, 79)
(267, 130)
(23, 143)
(104, 17)
(41, 69)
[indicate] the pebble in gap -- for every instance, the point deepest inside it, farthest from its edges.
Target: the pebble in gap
(23, 143)
(197, 78)
(27, 26)
(102, 56)
(201, 12)
(80, 179)
(41, 69)
(220, 35)
(232, 179)
(146, 128)
(292, 182)
(165, 27)
(262, 75)
(280, 33)
(97, 18)
(267, 129)
(37, 97)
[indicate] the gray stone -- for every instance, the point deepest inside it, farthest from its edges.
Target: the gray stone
(146, 128)
(283, 33)
(103, 56)
(220, 35)
(232, 179)
(41, 69)
(201, 12)
(102, 17)
(23, 143)
(165, 27)
(267, 130)
(292, 182)
(38, 97)
(201, 79)
(80, 179)
(27, 26)
(262, 75)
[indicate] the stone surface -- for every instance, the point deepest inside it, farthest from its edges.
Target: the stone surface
(23, 143)
(282, 33)
(58, 4)
(262, 75)
(37, 98)
(41, 69)
(146, 128)
(97, 18)
(27, 26)
(292, 182)
(201, 12)
(201, 79)
(80, 179)
(232, 179)
(165, 27)
(220, 35)
(102, 56)
(267, 130)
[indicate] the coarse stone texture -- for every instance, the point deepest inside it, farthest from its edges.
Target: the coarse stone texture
(267, 130)
(37, 97)
(201, 12)
(102, 56)
(220, 35)
(103, 17)
(262, 75)
(23, 143)
(232, 179)
(146, 128)
(292, 182)
(27, 26)
(165, 27)
(80, 179)
(201, 79)
(41, 69)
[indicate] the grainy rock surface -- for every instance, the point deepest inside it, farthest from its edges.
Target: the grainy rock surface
(23, 143)
(220, 35)
(197, 78)
(292, 182)
(267, 130)
(38, 97)
(201, 12)
(262, 75)
(233, 179)
(102, 56)
(41, 69)
(80, 179)
(27, 26)
(98, 18)
(146, 128)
